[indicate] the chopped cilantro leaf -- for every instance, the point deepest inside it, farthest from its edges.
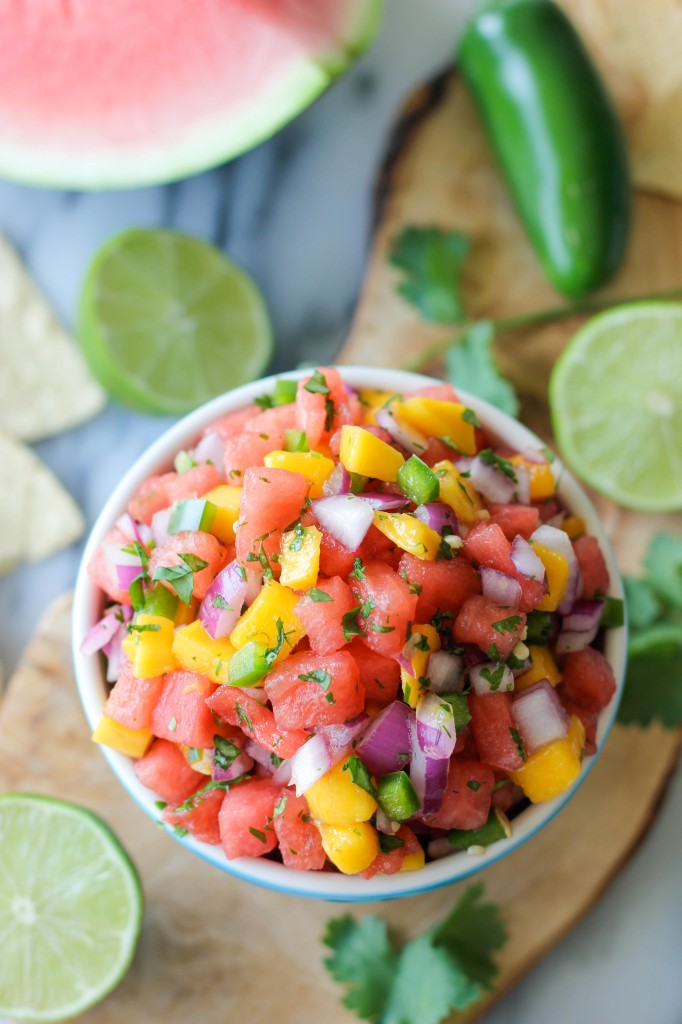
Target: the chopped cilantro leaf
(257, 833)
(149, 627)
(220, 602)
(508, 625)
(359, 774)
(470, 417)
(474, 784)
(358, 569)
(299, 536)
(415, 588)
(350, 625)
(224, 752)
(264, 402)
(181, 577)
(493, 677)
(518, 742)
(317, 595)
(317, 385)
(319, 676)
(388, 843)
(489, 458)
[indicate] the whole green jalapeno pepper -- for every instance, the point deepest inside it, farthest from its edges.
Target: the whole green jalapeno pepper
(556, 136)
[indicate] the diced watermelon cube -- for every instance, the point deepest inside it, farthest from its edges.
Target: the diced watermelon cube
(131, 701)
(192, 542)
(322, 619)
(486, 544)
(232, 423)
(506, 796)
(387, 607)
(309, 690)
(593, 568)
(379, 675)
(165, 770)
(271, 500)
(588, 716)
(437, 392)
(390, 863)
(161, 491)
(181, 714)
(588, 679)
(246, 818)
(321, 415)
(494, 628)
(441, 586)
(515, 520)
(200, 817)
(497, 739)
(299, 841)
(378, 547)
(261, 434)
(255, 719)
(466, 801)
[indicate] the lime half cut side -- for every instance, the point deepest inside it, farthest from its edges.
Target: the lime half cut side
(616, 401)
(70, 909)
(167, 322)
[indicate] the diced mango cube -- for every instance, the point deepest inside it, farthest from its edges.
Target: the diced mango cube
(314, 466)
(196, 651)
(361, 452)
(574, 526)
(299, 557)
(226, 498)
(440, 419)
(352, 848)
(409, 533)
(458, 492)
(542, 666)
(198, 758)
(273, 606)
(424, 640)
(149, 644)
(131, 742)
(542, 482)
(371, 401)
(556, 567)
(552, 769)
(336, 800)
(413, 861)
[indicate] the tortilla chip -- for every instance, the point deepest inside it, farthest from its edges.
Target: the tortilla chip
(45, 386)
(637, 48)
(37, 516)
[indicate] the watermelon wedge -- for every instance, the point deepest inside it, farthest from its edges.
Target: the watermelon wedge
(124, 93)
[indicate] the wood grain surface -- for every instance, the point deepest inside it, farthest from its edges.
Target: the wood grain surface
(216, 949)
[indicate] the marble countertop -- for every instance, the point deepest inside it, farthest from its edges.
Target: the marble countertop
(295, 213)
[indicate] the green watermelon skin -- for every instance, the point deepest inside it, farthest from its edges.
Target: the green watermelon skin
(123, 94)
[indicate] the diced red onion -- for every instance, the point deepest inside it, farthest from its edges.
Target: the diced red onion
(491, 482)
(385, 745)
(472, 655)
(229, 587)
(439, 848)
(338, 481)
(282, 773)
(533, 455)
(483, 686)
(405, 661)
(436, 733)
(115, 655)
(539, 716)
(526, 560)
(242, 763)
(428, 775)
(500, 588)
(446, 672)
(103, 632)
(522, 488)
(345, 517)
(123, 566)
(259, 754)
(324, 750)
(384, 502)
(463, 464)
(556, 540)
(254, 582)
(386, 824)
(136, 531)
(579, 627)
(407, 437)
(211, 448)
(438, 516)
(160, 522)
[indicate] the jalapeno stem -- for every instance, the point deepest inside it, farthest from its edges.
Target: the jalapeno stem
(544, 316)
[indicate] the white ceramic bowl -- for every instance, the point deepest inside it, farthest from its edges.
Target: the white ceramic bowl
(329, 885)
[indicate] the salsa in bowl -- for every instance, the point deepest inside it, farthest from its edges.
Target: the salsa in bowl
(349, 634)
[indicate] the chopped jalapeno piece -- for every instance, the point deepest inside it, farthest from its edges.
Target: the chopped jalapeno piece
(418, 481)
(496, 827)
(396, 796)
(192, 514)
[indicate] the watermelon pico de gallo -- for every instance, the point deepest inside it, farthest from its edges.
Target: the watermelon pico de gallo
(352, 631)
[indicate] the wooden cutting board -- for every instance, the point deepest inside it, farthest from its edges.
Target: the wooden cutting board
(216, 948)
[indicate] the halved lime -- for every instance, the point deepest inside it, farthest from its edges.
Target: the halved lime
(70, 908)
(616, 401)
(167, 322)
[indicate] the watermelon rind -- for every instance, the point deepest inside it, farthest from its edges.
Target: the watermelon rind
(207, 145)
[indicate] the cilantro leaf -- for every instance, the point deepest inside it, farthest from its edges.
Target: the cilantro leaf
(508, 625)
(181, 577)
(470, 365)
(489, 457)
(317, 595)
(663, 564)
(431, 260)
(360, 774)
(365, 960)
(446, 968)
(653, 683)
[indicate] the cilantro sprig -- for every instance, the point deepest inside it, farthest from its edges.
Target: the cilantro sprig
(653, 683)
(181, 577)
(448, 967)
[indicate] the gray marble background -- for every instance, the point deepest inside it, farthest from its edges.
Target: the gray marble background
(295, 212)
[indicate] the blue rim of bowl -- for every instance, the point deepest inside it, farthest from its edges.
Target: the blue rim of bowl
(329, 885)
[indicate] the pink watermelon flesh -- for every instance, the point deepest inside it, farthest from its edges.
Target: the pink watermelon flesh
(121, 93)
